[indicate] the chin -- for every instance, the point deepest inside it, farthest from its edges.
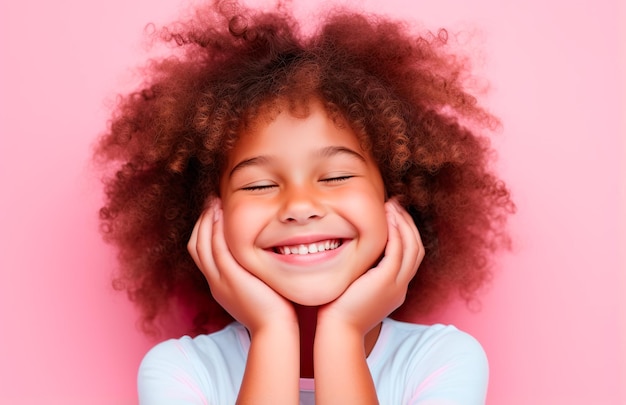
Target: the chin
(314, 298)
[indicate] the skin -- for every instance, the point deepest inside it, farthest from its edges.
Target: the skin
(296, 182)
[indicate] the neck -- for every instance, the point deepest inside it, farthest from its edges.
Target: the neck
(307, 319)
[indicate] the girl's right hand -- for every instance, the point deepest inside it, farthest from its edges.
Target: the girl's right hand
(246, 298)
(272, 367)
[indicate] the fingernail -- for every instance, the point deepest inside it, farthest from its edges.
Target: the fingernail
(212, 203)
(391, 217)
(217, 214)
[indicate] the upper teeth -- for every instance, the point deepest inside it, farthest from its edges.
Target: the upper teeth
(311, 248)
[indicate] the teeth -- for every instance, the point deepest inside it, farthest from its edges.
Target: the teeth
(311, 248)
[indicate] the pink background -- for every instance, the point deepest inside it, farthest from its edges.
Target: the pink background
(553, 322)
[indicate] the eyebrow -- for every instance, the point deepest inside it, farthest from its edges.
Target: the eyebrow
(326, 152)
(255, 161)
(331, 151)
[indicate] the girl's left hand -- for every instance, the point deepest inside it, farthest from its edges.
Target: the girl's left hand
(382, 289)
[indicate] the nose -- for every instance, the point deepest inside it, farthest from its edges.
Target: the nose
(300, 206)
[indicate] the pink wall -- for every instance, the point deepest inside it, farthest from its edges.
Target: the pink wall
(552, 323)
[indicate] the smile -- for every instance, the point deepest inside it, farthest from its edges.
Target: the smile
(303, 249)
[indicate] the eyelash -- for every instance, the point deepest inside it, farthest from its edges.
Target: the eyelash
(337, 179)
(258, 188)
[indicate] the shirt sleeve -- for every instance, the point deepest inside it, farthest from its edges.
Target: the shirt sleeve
(167, 375)
(454, 371)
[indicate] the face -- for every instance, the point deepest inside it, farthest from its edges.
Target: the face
(303, 206)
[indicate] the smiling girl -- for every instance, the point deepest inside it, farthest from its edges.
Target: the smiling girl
(283, 178)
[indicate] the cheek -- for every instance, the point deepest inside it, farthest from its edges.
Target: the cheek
(380, 230)
(376, 223)
(367, 214)
(234, 231)
(242, 223)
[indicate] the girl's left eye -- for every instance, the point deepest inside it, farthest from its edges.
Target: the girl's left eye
(336, 179)
(259, 187)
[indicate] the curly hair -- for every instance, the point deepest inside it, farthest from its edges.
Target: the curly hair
(403, 93)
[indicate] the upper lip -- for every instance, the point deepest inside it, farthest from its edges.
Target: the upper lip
(305, 240)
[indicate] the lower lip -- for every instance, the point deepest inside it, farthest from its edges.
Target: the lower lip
(311, 258)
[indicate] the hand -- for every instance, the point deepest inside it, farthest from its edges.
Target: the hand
(248, 299)
(382, 289)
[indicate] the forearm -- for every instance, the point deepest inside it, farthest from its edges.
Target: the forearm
(273, 367)
(341, 372)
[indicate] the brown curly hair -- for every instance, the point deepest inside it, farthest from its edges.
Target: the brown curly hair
(402, 93)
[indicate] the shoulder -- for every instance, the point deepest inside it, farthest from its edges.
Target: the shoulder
(432, 362)
(188, 366)
(444, 340)
(187, 352)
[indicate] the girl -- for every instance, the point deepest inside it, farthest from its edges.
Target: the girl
(294, 171)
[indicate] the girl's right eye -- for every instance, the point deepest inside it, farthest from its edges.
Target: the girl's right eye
(260, 187)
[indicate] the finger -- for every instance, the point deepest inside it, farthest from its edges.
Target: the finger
(218, 243)
(412, 249)
(407, 217)
(204, 244)
(393, 250)
(193, 241)
(387, 274)
(408, 220)
(193, 244)
(222, 257)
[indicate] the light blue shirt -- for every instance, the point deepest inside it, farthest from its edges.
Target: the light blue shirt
(410, 364)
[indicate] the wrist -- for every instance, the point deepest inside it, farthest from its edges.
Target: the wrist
(335, 332)
(333, 322)
(283, 329)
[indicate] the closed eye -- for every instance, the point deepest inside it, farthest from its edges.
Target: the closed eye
(259, 187)
(337, 179)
